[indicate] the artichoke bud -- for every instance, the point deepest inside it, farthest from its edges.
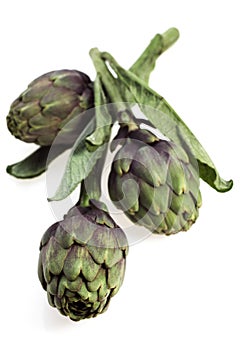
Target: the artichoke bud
(82, 262)
(49, 103)
(156, 183)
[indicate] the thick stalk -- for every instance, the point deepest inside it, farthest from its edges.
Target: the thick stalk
(106, 77)
(111, 85)
(142, 68)
(159, 44)
(90, 188)
(84, 199)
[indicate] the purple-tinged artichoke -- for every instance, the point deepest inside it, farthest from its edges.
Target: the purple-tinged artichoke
(48, 104)
(155, 183)
(82, 262)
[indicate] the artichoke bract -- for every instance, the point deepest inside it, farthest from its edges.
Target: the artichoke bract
(49, 102)
(82, 262)
(155, 183)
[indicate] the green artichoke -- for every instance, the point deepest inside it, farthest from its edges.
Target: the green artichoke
(155, 183)
(82, 262)
(49, 102)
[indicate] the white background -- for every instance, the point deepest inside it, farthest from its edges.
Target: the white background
(182, 292)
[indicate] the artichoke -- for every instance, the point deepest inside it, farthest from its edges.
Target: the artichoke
(49, 102)
(82, 262)
(156, 183)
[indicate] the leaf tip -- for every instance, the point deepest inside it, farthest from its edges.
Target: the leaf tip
(222, 185)
(9, 169)
(227, 186)
(56, 197)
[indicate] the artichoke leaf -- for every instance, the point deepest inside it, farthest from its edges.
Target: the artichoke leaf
(80, 163)
(36, 163)
(168, 122)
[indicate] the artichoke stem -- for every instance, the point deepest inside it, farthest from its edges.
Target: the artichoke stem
(84, 199)
(107, 78)
(90, 188)
(159, 44)
(127, 119)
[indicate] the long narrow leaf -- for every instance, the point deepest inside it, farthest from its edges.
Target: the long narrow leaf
(36, 163)
(79, 165)
(145, 96)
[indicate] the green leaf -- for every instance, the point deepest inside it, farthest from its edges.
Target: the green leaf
(36, 163)
(103, 116)
(79, 165)
(169, 123)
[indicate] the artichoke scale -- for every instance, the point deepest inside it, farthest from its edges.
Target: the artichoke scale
(176, 176)
(55, 256)
(115, 275)
(99, 281)
(148, 166)
(73, 262)
(89, 268)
